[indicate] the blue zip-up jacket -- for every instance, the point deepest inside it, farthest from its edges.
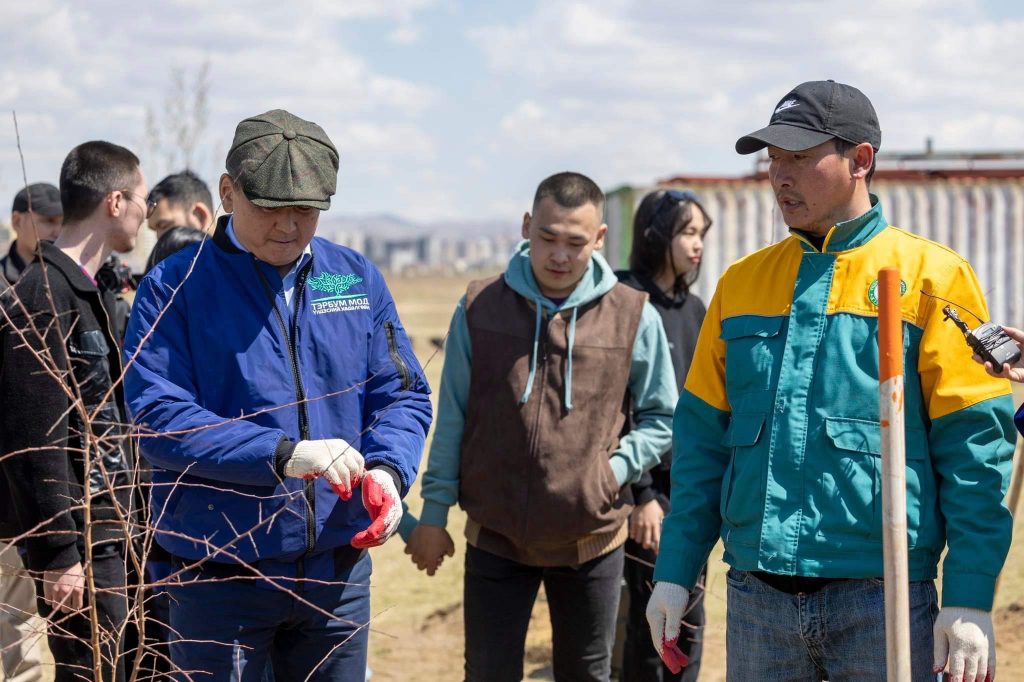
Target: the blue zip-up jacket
(777, 438)
(223, 378)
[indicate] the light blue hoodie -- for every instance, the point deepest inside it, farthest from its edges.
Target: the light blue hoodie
(651, 384)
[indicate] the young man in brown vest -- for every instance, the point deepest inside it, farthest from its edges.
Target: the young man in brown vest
(546, 366)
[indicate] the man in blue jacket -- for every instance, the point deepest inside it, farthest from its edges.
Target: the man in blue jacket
(268, 375)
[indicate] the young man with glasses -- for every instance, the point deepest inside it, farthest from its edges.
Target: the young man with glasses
(62, 426)
(36, 216)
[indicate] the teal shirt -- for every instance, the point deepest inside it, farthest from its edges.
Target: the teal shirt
(651, 384)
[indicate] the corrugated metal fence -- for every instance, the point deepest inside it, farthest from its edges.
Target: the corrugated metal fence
(981, 219)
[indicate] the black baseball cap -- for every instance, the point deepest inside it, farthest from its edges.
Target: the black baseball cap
(45, 200)
(813, 113)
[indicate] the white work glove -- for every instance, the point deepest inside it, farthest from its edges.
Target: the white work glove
(384, 505)
(334, 459)
(665, 612)
(965, 637)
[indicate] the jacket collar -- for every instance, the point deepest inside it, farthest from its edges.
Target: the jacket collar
(68, 267)
(13, 264)
(221, 237)
(849, 234)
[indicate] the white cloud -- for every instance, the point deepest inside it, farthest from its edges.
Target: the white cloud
(405, 35)
(670, 86)
(95, 68)
(466, 119)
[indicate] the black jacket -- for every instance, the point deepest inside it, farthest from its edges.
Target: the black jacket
(11, 265)
(682, 318)
(42, 441)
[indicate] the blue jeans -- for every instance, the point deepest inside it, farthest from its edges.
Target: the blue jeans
(836, 633)
(229, 629)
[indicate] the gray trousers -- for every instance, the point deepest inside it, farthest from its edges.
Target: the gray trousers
(22, 631)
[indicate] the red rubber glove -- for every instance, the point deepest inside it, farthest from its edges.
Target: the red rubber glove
(380, 497)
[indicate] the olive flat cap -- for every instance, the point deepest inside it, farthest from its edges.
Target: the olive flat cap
(279, 159)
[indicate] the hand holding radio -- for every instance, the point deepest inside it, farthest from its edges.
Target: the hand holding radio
(994, 346)
(1012, 371)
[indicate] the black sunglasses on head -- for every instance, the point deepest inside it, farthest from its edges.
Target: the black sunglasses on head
(666, 203)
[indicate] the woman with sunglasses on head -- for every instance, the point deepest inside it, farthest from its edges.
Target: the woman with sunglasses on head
(668, 242)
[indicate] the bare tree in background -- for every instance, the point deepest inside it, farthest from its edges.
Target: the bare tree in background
(174, 132)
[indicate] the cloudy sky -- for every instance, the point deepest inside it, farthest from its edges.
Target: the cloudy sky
(456, 109)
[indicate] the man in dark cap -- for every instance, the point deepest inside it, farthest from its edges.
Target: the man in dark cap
(271, 379)
(35, 216)
(777, 430)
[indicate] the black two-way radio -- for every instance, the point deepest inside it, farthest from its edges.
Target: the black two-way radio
(989, 341)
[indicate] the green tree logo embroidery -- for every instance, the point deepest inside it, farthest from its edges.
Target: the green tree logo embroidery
(330, 283)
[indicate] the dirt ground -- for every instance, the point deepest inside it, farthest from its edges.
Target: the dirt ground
(418, 628)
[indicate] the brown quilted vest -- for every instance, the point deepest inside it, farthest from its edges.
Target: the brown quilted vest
(535, 479)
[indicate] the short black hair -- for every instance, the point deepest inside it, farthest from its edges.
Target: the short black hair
(842, 146)
(569, 190)
(91, 171)
(182, 189)
(658, 219)
(172, 241)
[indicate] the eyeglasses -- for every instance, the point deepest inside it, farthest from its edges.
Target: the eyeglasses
(149, 207)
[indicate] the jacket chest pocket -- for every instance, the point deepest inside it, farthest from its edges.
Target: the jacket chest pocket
(753, 346)
(743, 483)
(89, 355)
(852, 493)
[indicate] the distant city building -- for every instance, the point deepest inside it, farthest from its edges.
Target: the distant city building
(971, 202)
(428, 253)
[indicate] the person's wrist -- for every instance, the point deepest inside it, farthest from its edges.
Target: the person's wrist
(282, 454)
(385, 468)
(434, 514)
(620, 469)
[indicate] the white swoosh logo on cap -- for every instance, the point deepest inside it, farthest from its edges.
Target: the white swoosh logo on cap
(788, 104)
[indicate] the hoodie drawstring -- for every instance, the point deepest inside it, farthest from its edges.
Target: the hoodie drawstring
(533, 356)
(568, 368)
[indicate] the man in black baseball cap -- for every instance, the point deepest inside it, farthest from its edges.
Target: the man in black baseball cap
(302, 337)
(36, 215)
(777, 448)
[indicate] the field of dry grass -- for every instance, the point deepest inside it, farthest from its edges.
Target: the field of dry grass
(417, 627)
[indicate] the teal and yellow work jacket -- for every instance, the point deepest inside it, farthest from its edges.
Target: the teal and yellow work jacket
(776, 436)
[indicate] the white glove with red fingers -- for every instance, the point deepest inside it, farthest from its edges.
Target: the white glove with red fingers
(665, 612)
(334, 459)
(381, 499)
(965, 637)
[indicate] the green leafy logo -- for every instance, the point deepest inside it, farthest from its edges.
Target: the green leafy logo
(330, 283)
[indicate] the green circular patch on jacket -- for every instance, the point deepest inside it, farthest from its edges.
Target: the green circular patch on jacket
(873, 291)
